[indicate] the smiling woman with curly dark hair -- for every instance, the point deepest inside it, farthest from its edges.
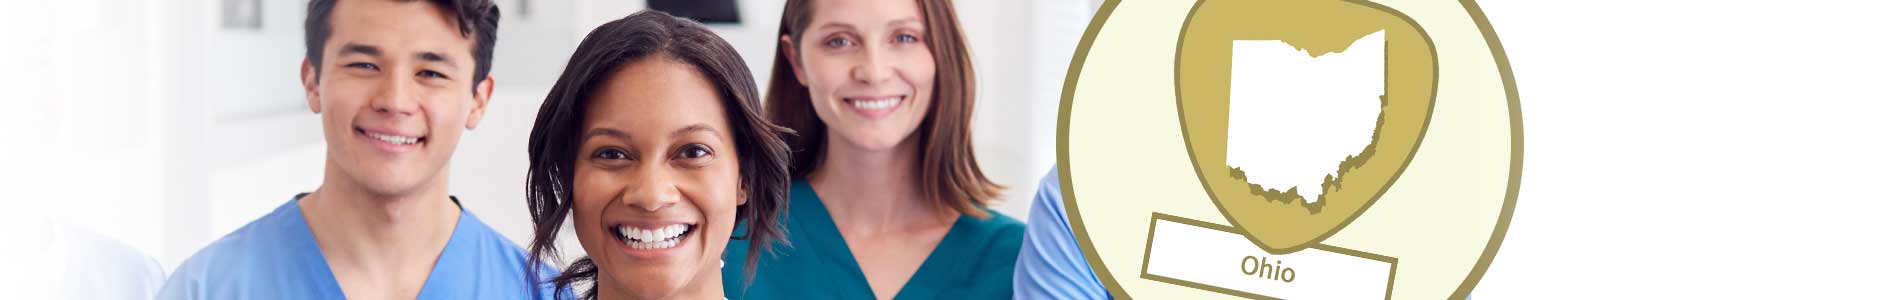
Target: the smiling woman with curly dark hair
(654, 142)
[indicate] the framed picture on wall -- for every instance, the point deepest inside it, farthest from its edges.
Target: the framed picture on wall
(704, 11)
(241, 14)
(526, 8)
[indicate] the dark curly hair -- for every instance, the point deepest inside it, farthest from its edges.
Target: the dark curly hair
(763, 155)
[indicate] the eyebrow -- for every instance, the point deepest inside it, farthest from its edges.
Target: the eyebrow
(609, 132)
(616, 133)
(435, 57)
(354, 48)
(428, 56)
(700, 127)
(892, 23)
(839, 25)
(904, 21)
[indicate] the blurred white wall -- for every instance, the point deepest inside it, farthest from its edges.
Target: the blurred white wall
(150, 123)
(100, 98)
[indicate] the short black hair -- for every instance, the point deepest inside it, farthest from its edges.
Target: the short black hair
(474, 18)
(552, 144)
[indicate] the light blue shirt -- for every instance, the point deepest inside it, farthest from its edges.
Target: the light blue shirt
(276, 257)
(1050, 265)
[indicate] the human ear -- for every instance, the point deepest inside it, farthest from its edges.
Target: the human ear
(790, 49)
(483, 90)
(310, 96)
(742, 194)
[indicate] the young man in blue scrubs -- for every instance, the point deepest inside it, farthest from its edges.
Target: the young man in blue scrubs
(396, 83)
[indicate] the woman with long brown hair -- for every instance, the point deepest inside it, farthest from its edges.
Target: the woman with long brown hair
(887, 199)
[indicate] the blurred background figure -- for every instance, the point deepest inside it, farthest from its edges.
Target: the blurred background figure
(89, 265)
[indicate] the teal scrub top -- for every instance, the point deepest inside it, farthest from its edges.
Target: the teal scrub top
(975, 260)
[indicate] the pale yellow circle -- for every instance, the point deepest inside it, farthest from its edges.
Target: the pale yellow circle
(1123, 160)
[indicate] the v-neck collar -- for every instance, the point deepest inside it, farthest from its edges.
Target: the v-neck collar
(450, 277)
(821, 232)
(309, 254)
(435, 287)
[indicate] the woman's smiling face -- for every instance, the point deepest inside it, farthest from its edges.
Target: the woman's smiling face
(656, 180)
(868, 69)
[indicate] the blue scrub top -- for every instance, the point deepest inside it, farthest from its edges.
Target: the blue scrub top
(276, 257)
(1052, 265)
(975, 260)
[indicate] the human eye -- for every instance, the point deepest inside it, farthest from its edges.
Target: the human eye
(362, 66)
(839, 42)
(610, 153)
(906, 38)
(694, 151)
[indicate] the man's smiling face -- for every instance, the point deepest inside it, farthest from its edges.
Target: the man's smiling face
(393, 88)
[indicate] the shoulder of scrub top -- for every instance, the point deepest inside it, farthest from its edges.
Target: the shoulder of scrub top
(233, 256)
(1004, 233)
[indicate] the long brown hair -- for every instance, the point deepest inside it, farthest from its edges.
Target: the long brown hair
(651, 35)
(949, 174)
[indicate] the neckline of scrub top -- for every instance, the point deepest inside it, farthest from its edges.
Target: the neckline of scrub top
(431, 288)
(931, 276)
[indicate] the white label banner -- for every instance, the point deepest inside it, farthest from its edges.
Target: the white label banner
(1208, 256)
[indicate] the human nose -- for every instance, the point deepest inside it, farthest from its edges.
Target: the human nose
(652, 191)
(395, 96)
(873, 66)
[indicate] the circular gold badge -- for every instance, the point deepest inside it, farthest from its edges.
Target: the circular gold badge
(1290, 149)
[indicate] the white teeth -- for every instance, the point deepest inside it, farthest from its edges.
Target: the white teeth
(392, 139)
(653, 245)
(657, 238)
(880, 103)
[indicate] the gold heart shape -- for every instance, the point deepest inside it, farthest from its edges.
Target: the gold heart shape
(1277, 219)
